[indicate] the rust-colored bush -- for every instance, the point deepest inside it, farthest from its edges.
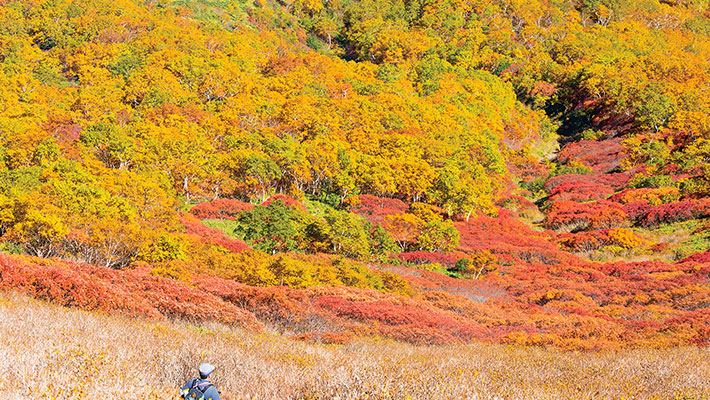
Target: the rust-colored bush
(571, 216)
(373, 208)
(220, 209)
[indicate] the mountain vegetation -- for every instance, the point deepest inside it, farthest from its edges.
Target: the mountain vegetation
(430, 171)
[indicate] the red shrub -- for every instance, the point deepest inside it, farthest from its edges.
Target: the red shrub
(375, 208)
(211, 236)
(585, 241)
(613, 122)
(510, 240)
(133, 292)
(404, 322)
(65, 132)
(538, 295)
(660, 247)
(621, 269)
(601, 156)
(614, 180)
(580, 191)
(567, 215)
(700, 258)
(277, 305)
(421, 257)
(676, 212)
(637, 210)
(666, 213)
(220, 209)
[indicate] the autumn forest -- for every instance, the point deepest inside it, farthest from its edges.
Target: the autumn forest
(430, 173)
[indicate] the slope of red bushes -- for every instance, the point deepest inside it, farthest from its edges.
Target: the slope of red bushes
(132, 292)
(510, 240)
(578, 304)
(534, 292)
(210, 235)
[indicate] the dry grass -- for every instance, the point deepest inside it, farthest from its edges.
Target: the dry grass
(53, 352)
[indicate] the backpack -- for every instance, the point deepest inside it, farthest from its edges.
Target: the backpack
(198, 389)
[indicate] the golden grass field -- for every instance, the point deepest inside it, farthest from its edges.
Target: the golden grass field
(50, 352)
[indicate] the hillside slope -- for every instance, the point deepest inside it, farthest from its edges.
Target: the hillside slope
(432, 172)
(77, 354)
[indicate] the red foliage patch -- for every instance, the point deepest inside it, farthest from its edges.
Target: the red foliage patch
(601, 156)
(220, 209)
(573, 305)
(66, 133)
(700, 258)
(422, 257)
(405, 322)
(676, 212)
(637, 210)
(210, 235)
(324, 312)
(276, 305)
(510, 240)
(374, 209)
(614, 180)
(572, 216)
(580, 191)
(133, 292)
(585, 241)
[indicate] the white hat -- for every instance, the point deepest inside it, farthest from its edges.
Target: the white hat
(205, 370)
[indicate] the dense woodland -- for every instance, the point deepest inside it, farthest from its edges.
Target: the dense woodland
(431, 171)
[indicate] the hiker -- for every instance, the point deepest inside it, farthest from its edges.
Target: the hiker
(200, 389)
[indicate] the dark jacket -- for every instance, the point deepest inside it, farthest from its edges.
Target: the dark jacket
(210, 394)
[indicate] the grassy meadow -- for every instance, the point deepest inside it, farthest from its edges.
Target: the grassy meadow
(51, 352)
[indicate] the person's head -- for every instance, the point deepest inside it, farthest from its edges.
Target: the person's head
(205, 370)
